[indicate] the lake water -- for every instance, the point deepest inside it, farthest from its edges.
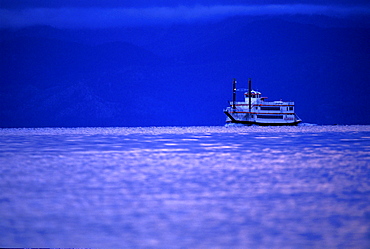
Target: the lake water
(186, 187)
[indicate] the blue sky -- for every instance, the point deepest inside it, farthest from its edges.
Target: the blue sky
(114, 13)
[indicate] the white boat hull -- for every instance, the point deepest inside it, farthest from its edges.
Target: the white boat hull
(262, 120)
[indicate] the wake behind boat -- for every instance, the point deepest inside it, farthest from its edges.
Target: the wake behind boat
(254, 110)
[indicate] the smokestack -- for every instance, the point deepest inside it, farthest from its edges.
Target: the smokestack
(234, 93)
(250, 94)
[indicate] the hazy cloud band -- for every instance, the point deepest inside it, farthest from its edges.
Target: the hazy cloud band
(117, 17)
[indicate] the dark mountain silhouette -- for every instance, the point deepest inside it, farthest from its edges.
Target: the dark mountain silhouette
(181, 74)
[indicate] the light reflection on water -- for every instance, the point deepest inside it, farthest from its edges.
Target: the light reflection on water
(185, 187)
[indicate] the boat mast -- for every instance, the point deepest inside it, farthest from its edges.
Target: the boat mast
(250, 94)
(234, 93)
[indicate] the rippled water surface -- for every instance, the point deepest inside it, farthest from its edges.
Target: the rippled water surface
(186, 187)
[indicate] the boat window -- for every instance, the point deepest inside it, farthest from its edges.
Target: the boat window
(291, 108)
(270, 116)
(270, 108)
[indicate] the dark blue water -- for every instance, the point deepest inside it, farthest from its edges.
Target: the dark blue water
(190, 187)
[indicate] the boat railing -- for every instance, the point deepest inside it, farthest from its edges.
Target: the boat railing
(261, 102)
(258, 109)
(230, 109)
(275, 103)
